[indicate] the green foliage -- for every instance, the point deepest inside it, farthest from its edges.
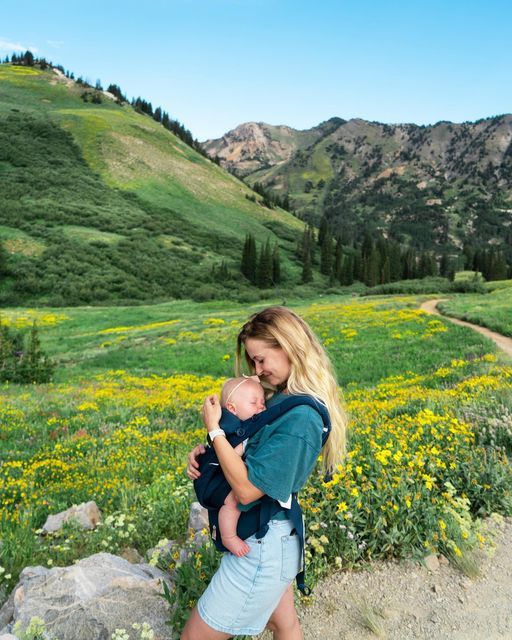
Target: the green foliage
(21, 358)
(149, 241)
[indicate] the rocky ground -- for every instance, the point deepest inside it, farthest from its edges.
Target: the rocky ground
(411, 602)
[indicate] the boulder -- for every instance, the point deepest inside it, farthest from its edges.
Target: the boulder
(86, 514)
(90, 599)
(198, 518)
(132, 555)
(163, 551)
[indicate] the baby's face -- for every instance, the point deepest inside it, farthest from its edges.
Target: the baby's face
(247, 400)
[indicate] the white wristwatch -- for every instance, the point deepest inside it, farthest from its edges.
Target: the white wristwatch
(214, 433)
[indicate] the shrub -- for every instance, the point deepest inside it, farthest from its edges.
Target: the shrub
(21, 357)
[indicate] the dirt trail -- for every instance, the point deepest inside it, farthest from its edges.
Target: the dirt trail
(413, 602)
(416, 603)
(504, 343)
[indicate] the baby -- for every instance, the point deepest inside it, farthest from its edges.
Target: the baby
(244, 397)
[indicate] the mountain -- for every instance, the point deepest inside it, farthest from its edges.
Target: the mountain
(101, 204)
(254, 146)
(436, 186)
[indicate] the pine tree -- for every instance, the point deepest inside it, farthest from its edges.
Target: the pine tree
(245, 258)
(249, 259)
(28, 59)
(338, 258)
(367, 246)
(444, 265)
(252, 260)
(265, 266)
(326, 255)
(385, 271)
(276, 265)
(346, 275)
(395, 264)
(306, 257)
(3, 260)
(371, 265)
(324, 227)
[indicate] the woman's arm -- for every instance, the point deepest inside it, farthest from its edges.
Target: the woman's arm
(232, 465)
(235, 472)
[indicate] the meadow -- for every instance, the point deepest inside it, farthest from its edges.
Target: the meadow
(430, 434)
(493, 310)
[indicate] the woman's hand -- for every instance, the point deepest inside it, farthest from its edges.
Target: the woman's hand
(211, 412)
(193, 465)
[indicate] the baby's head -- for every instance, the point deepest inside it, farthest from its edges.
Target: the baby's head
(243, 396)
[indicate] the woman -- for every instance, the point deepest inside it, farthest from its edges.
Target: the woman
(253, 592)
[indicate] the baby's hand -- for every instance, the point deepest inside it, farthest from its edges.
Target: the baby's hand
(211, 412)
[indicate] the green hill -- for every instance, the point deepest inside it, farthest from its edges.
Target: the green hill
(99, 203)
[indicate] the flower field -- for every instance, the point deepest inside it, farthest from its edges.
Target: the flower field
(430, 434)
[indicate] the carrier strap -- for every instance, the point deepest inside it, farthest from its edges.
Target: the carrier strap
(297, 519)
(248, 428)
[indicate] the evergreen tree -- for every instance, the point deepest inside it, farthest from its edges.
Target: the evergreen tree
(324, 227)
(22, 359)
(3, 260)
(28, 59)
(158, 114)
(385, 271)
(276, 265)
(409, 265)
(306, 257)
(338, 258)
(358, 267)
(265, 266)
(367, 246)
(444, 265)
(371, 265)
(249, 259)
(395, 265)
(346, 275)
(469, 256)
(326, 255)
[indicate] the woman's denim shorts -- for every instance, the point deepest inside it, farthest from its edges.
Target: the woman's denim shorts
(244, 592)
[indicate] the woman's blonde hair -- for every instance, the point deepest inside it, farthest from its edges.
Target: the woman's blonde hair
(311, 370)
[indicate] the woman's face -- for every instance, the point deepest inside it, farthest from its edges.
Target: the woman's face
(271, 364)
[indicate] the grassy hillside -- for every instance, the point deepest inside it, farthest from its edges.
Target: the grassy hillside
(101, 203)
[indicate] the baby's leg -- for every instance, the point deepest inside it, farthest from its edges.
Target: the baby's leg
(228, 519)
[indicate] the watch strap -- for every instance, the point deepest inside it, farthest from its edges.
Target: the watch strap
(214, 433)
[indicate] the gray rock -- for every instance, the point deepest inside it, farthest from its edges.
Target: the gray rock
(132, 555)
(90, 599)
(164, 550)
(200, 539)
(198, 518)
(431, 562)
(8, 636)
(86, 514)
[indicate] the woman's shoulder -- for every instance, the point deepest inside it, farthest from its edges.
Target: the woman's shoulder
(299, 420)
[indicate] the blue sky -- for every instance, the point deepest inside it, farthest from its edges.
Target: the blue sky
(214, 64)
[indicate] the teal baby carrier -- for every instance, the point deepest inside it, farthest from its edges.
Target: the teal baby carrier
(212, 487)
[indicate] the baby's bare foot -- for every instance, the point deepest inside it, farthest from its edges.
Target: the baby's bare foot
(236, 545)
